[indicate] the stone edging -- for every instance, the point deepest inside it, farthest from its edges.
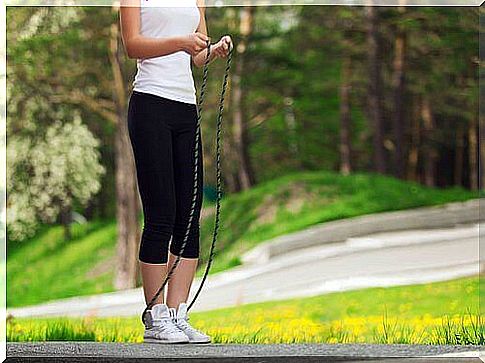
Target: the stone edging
(440, 216)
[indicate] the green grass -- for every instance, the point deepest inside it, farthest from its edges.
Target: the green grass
(46, 267)
(299, 200)
(432, 313)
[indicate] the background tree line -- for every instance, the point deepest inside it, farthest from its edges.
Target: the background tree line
(392, 90)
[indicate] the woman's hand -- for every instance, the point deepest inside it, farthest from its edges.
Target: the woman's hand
(222, 47)
(194, 43)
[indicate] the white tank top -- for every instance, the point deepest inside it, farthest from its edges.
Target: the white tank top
(168, 76)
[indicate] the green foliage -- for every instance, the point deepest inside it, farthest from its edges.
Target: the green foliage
(50, 174)
(58, 63)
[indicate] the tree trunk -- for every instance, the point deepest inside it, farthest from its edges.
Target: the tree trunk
(126, 211)
(481, 146)
(430, 154)
(241, 140)
(413, 158)
(375, 89)
(290, 122)
(66, 219)
(459, 154)
(127, 199)
(399, 91)
(473, 155)
(345, 117)
(229, 164)
(230, 160)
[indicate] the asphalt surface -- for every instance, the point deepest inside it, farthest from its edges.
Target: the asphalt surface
(379, 259)
(115, 352)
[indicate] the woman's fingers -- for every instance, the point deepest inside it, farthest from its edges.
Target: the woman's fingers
(221, 48)
(220, 51)
(204, 39)
(202, 36)
(228, 41)
(225, 45)
(201, 45)
(200, 40)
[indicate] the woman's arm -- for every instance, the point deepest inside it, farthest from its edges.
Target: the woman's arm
(199, 59)
(220, 49)
(138, 46)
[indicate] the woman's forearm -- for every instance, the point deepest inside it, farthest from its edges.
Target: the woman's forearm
(199, 59)
(144, 47)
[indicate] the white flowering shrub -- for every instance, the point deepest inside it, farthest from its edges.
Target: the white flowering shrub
(47, 175)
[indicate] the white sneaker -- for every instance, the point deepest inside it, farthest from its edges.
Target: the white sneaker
(180, 318)
(162, 329)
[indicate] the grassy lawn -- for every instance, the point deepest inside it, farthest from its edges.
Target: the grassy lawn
(434, 313)
(47, 267)
(299, 200)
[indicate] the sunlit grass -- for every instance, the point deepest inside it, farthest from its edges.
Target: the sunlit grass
(415, 314)
(456, 330)
(46, 267)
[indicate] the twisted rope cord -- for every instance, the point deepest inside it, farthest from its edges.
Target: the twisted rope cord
(218, 174)
(145, 316)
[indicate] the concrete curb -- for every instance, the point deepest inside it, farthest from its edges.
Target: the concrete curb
(441, 216)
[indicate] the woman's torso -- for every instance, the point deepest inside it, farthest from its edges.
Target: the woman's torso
(168, 76)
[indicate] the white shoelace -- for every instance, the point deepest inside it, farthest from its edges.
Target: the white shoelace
(166, 325)
(184, 324)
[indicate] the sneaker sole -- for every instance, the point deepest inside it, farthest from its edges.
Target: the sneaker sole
(159, 341)
(199, 342)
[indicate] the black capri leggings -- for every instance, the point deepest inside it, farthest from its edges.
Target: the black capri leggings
(162, 135)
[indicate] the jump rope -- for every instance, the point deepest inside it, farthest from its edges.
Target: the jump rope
(146, 317)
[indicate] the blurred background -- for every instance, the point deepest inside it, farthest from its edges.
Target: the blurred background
(344, 129)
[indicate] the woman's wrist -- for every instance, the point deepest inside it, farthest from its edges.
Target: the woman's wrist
(180, 43)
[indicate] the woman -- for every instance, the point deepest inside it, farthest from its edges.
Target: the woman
(162, 120)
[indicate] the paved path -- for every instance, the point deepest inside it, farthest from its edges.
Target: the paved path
(380, 259)
(437, 216)
(114, 352)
